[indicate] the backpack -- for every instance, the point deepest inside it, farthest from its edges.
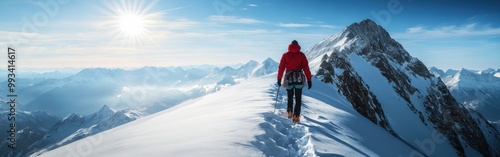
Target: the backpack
(294, 78)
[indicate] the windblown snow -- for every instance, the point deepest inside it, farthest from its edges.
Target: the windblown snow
(239, 121)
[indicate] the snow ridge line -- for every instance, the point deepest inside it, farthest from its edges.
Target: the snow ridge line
(282, 137)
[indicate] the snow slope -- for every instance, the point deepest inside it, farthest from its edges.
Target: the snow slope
(239, 121)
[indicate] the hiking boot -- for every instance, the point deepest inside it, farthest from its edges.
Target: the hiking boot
(290, 114)
(296, 118)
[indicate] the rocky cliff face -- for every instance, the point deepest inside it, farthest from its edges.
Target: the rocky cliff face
(387, 85)
(353, 87)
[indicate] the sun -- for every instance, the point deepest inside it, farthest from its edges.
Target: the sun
(132, 22)
(131, 25)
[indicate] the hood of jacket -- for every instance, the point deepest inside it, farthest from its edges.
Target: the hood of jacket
(293, 48)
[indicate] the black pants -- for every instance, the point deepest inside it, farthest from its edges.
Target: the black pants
(298, 100)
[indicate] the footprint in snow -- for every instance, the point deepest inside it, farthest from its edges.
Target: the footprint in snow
(282, 137)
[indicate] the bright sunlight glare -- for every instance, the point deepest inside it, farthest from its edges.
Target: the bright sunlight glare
(131, 25)
(130, 21)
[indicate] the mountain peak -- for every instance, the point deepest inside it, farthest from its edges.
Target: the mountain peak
(105, 111)
(367, 29)
(266, 67)
(98, 72)
(434, 68)
(465, 72)
(365, 38)
(71, 117)
(365, 23)
(251, 63)
(437, 72)
(268, 60)
(488, 71)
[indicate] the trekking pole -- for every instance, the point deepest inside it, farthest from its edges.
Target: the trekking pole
(276, 99)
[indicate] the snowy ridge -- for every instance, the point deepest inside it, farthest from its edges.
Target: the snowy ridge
(214, 125)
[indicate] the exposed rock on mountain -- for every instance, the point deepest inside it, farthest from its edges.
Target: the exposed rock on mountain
(390, 87)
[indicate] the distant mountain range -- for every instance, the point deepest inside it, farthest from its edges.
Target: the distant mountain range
(148, 89)
(136, 93)
(477, 90)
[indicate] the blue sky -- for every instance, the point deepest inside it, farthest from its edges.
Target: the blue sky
(76, 33)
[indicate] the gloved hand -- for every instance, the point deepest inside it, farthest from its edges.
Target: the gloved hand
(279, 82)
(309, 84)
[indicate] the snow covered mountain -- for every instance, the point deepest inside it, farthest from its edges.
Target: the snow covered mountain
(239, 121)
(267, 67)
(39, 131)
(149, 89)
(30, 126)
(397, 92)
(75, 127)
(478, 90)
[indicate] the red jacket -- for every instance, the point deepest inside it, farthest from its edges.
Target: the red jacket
(294, 60)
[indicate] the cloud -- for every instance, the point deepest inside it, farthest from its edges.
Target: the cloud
(303, 25)
(294, 25)
(452, 31)
(327, 26)
(250, 5)
(414, 29)
(233, 19)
